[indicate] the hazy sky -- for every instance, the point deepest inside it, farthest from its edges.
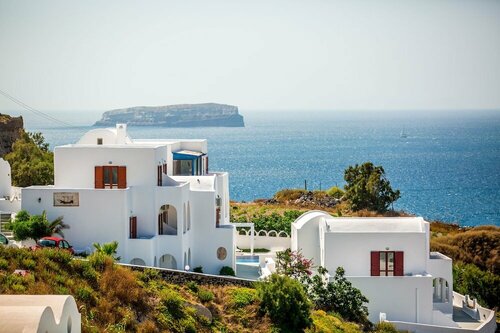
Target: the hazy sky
(98, 55)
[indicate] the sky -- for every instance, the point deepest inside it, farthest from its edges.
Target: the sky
(259, 55)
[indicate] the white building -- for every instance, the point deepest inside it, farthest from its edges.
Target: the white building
(9, 196)
(39, 313)
(157, 198)
(389, 260)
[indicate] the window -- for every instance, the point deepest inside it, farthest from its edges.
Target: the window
(183, 167)
(47, 243)
(99, 141)
(387, 263)
(110, 176)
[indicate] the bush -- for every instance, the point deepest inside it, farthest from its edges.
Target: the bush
(484, 286)
(205, 296)
(338, 296)
(335, 192)
(193, 286)
(198, 269)
(289, 194)
(241, 297)
(286, 303)
(385, 327)
(226, 270)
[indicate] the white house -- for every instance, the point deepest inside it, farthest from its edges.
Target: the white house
(9, 196)
(157, 198)
(389, 260)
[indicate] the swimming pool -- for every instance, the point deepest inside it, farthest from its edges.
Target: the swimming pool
(247, 260)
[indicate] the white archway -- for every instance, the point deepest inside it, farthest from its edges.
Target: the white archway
(167, 261)
(138, 262)
(441, 291)
(167, 220)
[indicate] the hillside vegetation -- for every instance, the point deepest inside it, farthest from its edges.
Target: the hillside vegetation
(113, 298)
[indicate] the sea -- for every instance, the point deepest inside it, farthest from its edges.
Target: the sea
(447, 167)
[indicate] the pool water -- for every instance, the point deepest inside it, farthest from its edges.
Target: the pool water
(247, 260)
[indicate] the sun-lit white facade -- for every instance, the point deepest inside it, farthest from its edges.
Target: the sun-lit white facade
(157, 198)
(389, 260)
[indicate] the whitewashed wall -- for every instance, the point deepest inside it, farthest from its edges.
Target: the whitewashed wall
(264, 242)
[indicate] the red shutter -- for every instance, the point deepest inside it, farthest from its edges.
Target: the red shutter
(122, 177)
(399, 263)
(99, 177)
(375, 263)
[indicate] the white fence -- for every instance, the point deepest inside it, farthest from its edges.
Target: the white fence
(272, 240)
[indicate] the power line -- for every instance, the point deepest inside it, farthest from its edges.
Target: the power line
(35, 111)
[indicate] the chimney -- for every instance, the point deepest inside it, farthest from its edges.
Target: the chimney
(121, 133)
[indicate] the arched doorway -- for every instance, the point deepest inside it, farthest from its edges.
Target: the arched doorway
(138, 262)
(167, 261)
(167, 220)
(441, 292)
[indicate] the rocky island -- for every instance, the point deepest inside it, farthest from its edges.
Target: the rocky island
(181, 115)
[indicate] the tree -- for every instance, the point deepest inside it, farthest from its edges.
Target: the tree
(367, 188)
(286, 303)
(26, 226)
(31, 161)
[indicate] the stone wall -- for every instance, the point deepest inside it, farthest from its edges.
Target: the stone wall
(9, 132)
(182, 277)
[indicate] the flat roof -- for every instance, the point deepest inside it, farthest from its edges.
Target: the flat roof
(374, 225)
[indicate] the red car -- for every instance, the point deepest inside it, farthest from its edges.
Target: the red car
(56, 242)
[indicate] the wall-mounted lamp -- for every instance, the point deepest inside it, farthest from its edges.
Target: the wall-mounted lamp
(387, 248)
(110, 162)
(39, 200)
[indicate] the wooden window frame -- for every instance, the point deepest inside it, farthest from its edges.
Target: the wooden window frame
(121, 177)
(398, 263)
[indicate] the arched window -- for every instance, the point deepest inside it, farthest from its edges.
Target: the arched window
(167, 261)
(441, 292)
(138, 262)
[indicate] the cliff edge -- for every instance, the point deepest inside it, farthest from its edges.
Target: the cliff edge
(181, 115)
(10, 130)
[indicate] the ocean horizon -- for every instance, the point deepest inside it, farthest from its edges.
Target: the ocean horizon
(447, 168)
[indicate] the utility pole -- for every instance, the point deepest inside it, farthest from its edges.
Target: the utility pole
(305, 184)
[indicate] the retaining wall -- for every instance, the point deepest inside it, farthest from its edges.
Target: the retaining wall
(182, 277)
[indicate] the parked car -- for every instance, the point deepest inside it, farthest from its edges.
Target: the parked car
(55, 242)
(4, 240)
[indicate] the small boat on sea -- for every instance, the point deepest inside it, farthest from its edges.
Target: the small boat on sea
(403, 134)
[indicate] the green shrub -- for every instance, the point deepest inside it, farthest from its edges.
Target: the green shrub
(4, 264)
(205, 296)
(241, 297)
(468, 279)
(193, 286)
(385, 327)
(172, 304)
(85, 294)
(335, 192)
(198, 269)
(29, 264)
(226, 270)
(286, 303)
